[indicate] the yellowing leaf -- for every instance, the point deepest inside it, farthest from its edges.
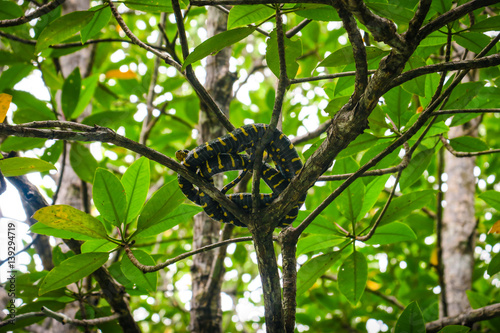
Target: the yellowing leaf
(495, 229)
(434, 258)
(420, 109)
(372, 285)
(117, 74)
(5, 100)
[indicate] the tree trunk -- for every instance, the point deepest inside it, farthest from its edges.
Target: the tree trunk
(206, 313)
(459, 226)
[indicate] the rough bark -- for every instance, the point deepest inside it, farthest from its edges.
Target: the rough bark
(206, 313)
(458, 227)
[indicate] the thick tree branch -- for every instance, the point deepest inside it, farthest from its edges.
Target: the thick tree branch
(103, 134)
(382, 29)
(48, 7)
(465, 319)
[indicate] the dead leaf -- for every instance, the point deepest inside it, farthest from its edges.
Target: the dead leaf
(5, 100)
(117, 74)
(495, 229)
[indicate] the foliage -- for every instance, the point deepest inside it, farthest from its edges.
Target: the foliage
(339, 281)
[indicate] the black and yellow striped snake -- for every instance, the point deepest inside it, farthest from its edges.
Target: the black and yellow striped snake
(223, 154)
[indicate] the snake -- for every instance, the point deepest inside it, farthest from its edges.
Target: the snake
(224, 154)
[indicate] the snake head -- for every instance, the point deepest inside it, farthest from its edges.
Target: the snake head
(180, 155)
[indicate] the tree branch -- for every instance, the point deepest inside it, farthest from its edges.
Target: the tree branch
(465, 319)
(64, 319)
(465, 154)
(149, 269)
(48, 7)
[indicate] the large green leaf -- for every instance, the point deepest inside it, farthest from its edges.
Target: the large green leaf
(489, 24)
(216, 43)
(146, 281)
(317, 12)
(293, 50)
(372, 191)
(17, 166)
(477, 300)
(152, 6)
(416, 85)
(313, 269)
(392, 233)
(402, 207)
(343, 56)
(398, 100)
(71, 93)
(468, 144)
(247, 14)
(62, 28)
(42, 229)
(492, 198)
(161, 204)
(29, 108)
(109, 197)
(179, 215)
(72, 270)
(99, 21)
(136, 184)
(317, 242)
(398, 14)
(19, 143)
(414, 170)
(70, 219)
(411, 320)
(352, 277)
(89, 85)
(350, 202)
(13, 75)
(494, 265)
(82, 162)
(473, 41)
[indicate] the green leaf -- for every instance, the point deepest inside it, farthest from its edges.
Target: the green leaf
(489, 24)
(70, 219)
(109, 197)
(372, 191)
(318, 242)
(462, 95)
(82, 162)
(350, 201)
(494, 265)
(343, 56)
(9, 10)
(455, 329)
(313, 269)
(99, 21)
(411, 320)
(468, 144)
(152, 6)
(143, 280)
(136, 184)
(62, 28)
(98, 245)
(398, 100)
(17, 166)
(161, 204)
(18, 143)
(307, 153)
(13, 75)
(71, 93)
(492, 198)
(398, 14)
(402, 207)
(179, 215)
(72, 270)
(89, 84)
(416, 85)
(414, 170)
(43, 229)
(392, 233)
(441, 6)
(318, 12)
(216, 43)
(477, 300)
(362, 142)
(247, 14)
(29, 108)
(473, 41)
(352, 277)
(293, 50)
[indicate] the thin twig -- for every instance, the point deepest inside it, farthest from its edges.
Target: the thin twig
(61, 173)
(62, 318)
(326, 77)
(465, 154)
(149, 269)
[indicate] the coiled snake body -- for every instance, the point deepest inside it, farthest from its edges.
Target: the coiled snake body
(222, 154)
